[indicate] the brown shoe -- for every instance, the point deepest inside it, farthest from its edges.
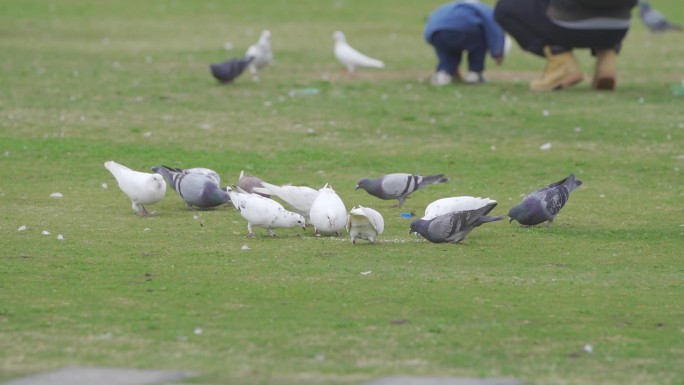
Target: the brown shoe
(606, 69)
(561, 70)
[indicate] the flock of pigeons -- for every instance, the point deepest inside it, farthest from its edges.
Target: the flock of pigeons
(260, 55)
(445, 220)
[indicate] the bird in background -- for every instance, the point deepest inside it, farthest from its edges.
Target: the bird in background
(228, 71)
(544, 204)
(328, 214)
(349, 57)
(654, 20)
(263, 212)
(248, 183)
(453, 227)
(261, 52)
(398, 185)
(364, 223)
(141, 188)
(196, 189)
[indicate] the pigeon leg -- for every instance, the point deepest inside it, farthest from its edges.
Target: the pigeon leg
(272, 233)
(250, 232)
(144, 212)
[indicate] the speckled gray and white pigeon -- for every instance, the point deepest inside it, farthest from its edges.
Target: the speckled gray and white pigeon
(263, 212)
(196, 189)
(141, 188)
(544, 204)
(453, 227)
(654, 20)
(398, 185)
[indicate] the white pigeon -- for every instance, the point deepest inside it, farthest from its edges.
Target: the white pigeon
(351, 58)
(328, 214)
(364, 223)
(142, 188)
(299, 198)
(261, 51)
(455, 204)
(263, 212)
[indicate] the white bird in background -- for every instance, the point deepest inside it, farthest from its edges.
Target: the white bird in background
(351, 58)
(263, 212)
(142, 188)
(328, 214)
(364, 223)
(455, 204)
(300, 198)
(261, 52)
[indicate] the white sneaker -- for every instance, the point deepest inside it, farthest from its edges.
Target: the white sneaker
(441, 78)
(473, 77)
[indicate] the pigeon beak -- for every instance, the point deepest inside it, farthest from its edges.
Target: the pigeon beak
(510, 219)
(304, 227)
(357, 187)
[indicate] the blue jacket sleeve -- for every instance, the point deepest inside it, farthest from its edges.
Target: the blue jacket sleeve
(493, 31)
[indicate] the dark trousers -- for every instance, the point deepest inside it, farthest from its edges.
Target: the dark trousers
(449, 46)
(527, 22)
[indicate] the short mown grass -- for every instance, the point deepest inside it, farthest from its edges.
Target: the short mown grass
(84, 82)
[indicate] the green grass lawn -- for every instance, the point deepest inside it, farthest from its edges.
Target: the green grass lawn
(83, 82)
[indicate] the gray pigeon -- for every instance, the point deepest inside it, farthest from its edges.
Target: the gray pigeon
(453, 227)
(544, 204)
(197, 190)
(654, 20)
(247, 183)
(227, 71)
(398, 186)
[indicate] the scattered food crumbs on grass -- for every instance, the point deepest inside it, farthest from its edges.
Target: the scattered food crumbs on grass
(60, 237)
(245, 247)
(45, 232)
(56, 195)
(197, 331)
(146, 229)
(588, 348)
(546, 113)
(545, 146)
(366, 272)
(22, 228)
(104, 186)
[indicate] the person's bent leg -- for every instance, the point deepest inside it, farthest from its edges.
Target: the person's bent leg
(561, 70)
(526, 22)
(477, 51)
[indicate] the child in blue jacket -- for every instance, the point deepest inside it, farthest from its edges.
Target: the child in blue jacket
(459, 26)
